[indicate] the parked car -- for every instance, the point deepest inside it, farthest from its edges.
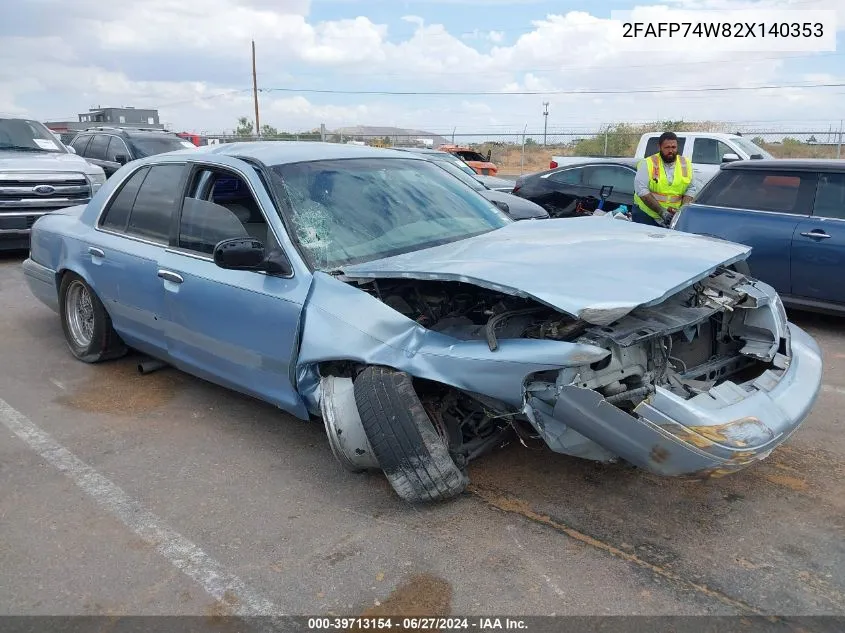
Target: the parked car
(372, 289)
(707, 151)
(517, 208)
(38, 174)
(574, 190)
(494, 183)
(113, 147)
(476, 160)
(792, 212)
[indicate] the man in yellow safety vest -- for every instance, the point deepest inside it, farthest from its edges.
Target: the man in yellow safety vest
(664, 182)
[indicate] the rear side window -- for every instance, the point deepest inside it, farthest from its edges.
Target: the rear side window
(652, 147)
(156, 203)
(621, 179)
(830, 197)
(117, 214)
(760, 190)
(567, 177)
(97, 147)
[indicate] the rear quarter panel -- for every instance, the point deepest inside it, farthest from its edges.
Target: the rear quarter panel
(768, 234)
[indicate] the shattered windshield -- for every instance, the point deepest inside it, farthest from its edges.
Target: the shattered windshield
(25, 135)
(355, 210)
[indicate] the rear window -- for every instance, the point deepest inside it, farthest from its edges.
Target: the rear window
(651, 147)
(758, 190)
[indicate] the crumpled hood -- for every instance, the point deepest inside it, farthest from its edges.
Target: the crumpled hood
(35, 162)
(589, 267)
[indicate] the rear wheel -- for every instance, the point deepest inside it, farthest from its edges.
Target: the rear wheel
(413, 456)
(86, 324)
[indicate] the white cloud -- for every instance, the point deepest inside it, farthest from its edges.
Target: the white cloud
(192, 61)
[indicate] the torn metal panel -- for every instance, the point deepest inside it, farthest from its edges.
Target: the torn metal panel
(588, 268)
(343, 323)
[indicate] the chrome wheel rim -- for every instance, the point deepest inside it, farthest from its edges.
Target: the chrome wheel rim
(80, 314)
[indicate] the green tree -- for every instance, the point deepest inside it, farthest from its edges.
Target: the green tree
(245, 127)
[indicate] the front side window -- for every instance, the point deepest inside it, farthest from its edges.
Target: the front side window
(355, 210)
(156, 203)
(830, 197)
(760, 190)
(116, 148)
(220, 206)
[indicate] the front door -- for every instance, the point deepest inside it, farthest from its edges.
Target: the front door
(236, 328)
(818, 245)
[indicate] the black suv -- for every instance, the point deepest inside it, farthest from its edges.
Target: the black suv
(111, 148)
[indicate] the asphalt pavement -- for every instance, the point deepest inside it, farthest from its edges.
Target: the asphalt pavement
(164, 494)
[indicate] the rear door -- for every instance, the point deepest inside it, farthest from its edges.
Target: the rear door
(134, 233)
(818, 245)
(760, 208)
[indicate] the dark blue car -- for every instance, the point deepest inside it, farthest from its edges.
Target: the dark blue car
(792, 214)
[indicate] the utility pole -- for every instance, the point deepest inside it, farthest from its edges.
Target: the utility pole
(255, 92)
(545, 120)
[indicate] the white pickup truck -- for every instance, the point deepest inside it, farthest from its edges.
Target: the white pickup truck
(706, 150)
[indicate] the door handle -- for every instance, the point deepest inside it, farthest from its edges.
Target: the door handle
(819, 234)
(96, 252)
(170, 276)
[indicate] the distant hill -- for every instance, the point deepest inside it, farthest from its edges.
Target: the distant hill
(369, 131)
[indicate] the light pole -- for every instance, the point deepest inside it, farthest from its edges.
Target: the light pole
(545, 120)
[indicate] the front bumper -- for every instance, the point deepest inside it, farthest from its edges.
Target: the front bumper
(710, 435)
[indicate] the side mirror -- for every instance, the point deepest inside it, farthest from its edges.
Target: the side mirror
(121, 159)
(730, 158)
(502, 205)
(247, 253)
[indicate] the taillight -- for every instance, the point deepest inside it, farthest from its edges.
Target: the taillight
(553, 164)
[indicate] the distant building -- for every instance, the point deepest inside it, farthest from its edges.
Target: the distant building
(114, 117)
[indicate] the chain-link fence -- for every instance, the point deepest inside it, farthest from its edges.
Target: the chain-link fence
(527, 151)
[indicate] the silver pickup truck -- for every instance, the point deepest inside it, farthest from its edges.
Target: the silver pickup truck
(38, 174)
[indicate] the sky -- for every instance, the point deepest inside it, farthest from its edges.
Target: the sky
(191, 59)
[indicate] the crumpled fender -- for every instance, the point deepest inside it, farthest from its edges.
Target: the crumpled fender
(342, 322)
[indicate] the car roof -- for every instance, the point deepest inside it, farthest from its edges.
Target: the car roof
(283, 152)
(788, 164)
(599, 160)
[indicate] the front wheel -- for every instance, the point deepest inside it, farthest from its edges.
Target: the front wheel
(86, 324)
(413, 456)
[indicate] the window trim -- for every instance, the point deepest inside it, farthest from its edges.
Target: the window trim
(87, 138)
(196, 167)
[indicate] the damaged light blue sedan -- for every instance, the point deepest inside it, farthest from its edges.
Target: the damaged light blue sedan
(373, 290)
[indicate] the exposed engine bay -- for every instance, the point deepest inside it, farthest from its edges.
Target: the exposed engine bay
(696, 339)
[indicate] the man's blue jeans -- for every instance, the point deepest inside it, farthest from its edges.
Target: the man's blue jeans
(641, 217)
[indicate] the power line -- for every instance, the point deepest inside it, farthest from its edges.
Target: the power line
(488, 93)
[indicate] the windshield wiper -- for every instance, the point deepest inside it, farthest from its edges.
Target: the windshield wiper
(24, 148)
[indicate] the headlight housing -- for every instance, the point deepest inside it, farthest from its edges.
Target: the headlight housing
(97, 180)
